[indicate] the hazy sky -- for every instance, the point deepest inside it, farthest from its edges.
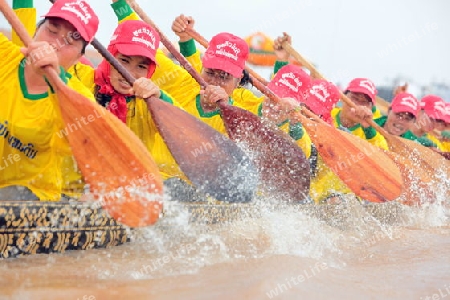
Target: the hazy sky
(345, 38)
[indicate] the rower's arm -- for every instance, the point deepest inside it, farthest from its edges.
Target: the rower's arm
(123, 11)
(192, 55)
(27, 15)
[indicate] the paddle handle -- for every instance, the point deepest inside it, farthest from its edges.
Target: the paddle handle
(343, 97)
(166, 42)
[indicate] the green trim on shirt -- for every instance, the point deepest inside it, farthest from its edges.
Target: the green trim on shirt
(282, 123)
(260, 107)
(381, 121)
(296, 131)
(62, 75)
(166, 98)
(278, 65)
(338, 121)
(426, 142)
(18, 4)
(209, 114)
(369, 132)
(188, 48)
(121, 9)
(23, 85)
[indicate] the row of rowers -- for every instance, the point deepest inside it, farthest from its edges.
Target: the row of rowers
(43, 164)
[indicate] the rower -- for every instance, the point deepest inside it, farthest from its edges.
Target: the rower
(403, 114)
(30, 120)
(362, 92)
(431, 117)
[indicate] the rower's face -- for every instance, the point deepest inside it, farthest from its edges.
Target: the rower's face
(137, 66)
(220, 78)
(358, 99)
(399, 123)
(64, 38)
(424, 122)
(438, 124)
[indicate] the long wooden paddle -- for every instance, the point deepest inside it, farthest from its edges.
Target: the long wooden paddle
(221, 170)
(113, 161)
(426, 158)
(347, 159)
(282, 165)
(213, 163)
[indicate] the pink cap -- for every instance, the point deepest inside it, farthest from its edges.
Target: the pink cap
(363, 85)
(135, 37)
(434, 107)
(79, 14)
(226, 52)
(323, 95)
(291, 82)
(447, 113)
(405, 102)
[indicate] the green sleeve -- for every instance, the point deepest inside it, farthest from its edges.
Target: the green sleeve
(278, 65)
(369, 132)
(296, 131)
(380, 121)
(121, 9)
(188, 48)
(426, 142)
(18, 4)
(165, 97)
(260, 107)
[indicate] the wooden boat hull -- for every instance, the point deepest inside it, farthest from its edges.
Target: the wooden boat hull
(33, 227)
(335, 215)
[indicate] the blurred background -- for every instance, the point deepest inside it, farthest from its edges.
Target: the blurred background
(390, 42)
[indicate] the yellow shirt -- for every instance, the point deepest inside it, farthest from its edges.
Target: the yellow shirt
(72, 181)
(32, 146)
(368, 134)
(27, 17)
(446, 146)
(325, 183)
(435, 140)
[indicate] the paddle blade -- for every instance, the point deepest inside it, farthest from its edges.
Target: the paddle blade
(282, 165)
(365, 169)
(430, 160)
(446, 155)
(417, 185)
(214, 164)
(113, 161)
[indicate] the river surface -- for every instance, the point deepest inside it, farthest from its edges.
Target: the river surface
(280, 253)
